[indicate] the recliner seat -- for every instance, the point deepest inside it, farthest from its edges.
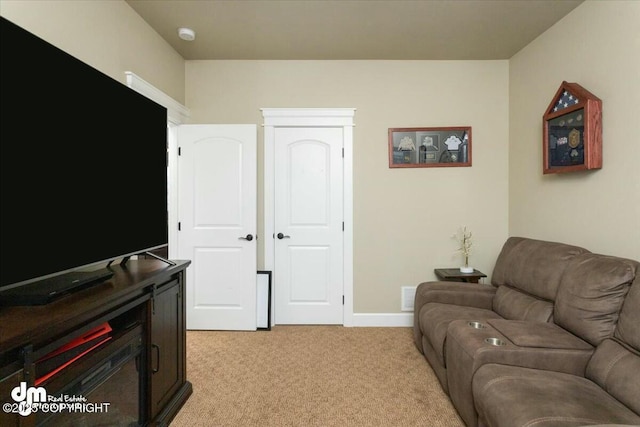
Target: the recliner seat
(524, 283)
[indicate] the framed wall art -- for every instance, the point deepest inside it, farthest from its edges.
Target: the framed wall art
(429, 147)
(572, 131)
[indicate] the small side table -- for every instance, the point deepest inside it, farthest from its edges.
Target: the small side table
(454, 275)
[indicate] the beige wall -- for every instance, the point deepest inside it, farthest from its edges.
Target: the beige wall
(106, 34)
(598, 46)
(403, 218)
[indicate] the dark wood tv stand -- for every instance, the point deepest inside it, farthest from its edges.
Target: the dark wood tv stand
(147, 296)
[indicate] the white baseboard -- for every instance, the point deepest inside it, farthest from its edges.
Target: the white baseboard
(383, 319)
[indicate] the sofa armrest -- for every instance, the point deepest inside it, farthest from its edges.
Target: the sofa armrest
(458, 293)
(536, 345)
(543, 346)
(538, 334)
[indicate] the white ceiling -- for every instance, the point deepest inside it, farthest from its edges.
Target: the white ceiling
(352, 29)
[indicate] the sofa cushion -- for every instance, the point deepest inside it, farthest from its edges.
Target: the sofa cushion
(435, 318)
(514, 396)
(534, 266)
(617, 370)
(628, 330)
(515, 305)
(591, 294)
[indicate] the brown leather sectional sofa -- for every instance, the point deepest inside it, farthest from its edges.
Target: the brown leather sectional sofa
(553, 341)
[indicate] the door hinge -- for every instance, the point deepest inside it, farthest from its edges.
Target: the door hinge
(342, 225)
(342, 299)
(343, 153)
(179, 151)
(179, 225)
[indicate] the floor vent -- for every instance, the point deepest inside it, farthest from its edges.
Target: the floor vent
(408, 296)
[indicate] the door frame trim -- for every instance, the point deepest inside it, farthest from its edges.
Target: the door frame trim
(310, 117)
(177, 114)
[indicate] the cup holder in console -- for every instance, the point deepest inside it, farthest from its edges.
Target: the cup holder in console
(476, 325)
(495, 341)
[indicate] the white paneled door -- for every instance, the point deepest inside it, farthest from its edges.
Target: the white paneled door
(308, 172)
(217, 205)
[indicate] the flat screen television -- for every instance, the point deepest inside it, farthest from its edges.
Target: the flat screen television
(83, 165)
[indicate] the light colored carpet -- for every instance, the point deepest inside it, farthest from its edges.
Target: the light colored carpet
(311, 376)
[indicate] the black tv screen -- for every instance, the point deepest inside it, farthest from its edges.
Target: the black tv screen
(83, 163)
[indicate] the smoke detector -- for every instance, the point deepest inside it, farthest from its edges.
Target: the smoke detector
(186, 34)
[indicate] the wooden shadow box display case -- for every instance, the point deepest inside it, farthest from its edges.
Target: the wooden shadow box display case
(572, 134)
(430, 147)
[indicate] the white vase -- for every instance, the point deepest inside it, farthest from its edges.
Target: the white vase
(466, 269)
